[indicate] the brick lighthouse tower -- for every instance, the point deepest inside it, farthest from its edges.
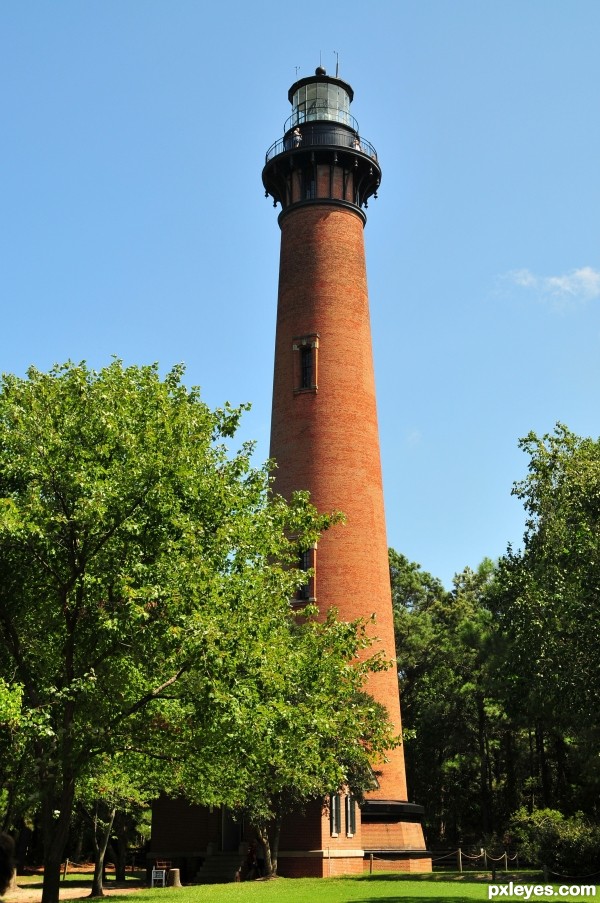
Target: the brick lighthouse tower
(324, 438)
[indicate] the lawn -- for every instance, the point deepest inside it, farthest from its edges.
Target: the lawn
(380, 888)
(364, 889)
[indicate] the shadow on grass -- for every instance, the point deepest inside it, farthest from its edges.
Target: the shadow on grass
(451, 877)
(80, 883)
(389, 898)
(39, 883)
(405, 899)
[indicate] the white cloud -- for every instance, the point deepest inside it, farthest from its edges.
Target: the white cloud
(523, 278)
(577, 286)
(413, 437)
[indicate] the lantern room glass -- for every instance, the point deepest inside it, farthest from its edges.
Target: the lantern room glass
(321, 100)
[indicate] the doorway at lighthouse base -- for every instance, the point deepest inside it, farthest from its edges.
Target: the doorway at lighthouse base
(325, 840)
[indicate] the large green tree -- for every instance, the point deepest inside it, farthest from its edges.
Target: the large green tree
(547, 599)
(501, 676)
(445, 645)
(295, 721)
(132, 545)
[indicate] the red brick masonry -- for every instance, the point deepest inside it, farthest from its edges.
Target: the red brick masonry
(325, 439)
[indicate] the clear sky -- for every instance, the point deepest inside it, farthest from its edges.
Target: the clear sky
(133, 220)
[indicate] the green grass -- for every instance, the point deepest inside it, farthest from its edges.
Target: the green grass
(380, 888)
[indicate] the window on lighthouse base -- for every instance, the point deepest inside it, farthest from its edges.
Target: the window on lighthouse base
(335, 814)
(350, 815)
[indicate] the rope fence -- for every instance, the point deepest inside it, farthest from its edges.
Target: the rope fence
(463, 859)
(569, 878)
(73, 864)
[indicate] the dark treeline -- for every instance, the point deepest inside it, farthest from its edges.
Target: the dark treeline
(500, 676)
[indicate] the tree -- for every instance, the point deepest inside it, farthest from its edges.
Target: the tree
(117, 785)
(501, 677)
(130, 541)
(445, 646)
(568, 846)
(547, 599)
(296, 724)
(412, 587)
(554, 611)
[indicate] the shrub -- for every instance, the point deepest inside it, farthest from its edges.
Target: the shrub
(566, 845)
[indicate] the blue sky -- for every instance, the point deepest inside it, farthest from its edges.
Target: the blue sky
(133, 220)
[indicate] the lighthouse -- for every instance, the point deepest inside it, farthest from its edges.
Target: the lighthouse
(324, 438)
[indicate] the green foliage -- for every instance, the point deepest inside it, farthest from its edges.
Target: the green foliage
(546, 597)
(135, 551)
(293, 723)
(10, 704)
(145, 579)
(551, 588)
(501, 676)
(568, 846)
(446, 647)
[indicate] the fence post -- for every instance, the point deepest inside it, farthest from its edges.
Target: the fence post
(505, 861)
(65, 869)
(459, 859)
(485, 862)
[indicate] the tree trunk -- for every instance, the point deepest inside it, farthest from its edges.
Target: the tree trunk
(55, 823)
(275, 844)
(532, 772)
(511, 790)
(263, 836)
(484, 793)
(78, 849)
(52, 869)
(562, 781)
(270, 841)
(544, 768)
(100, 846)
(12, 887)
(120, 827)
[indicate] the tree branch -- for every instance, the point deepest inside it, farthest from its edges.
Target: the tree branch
(148, 697)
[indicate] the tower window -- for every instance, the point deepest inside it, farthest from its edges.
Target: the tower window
(307, 562)
(306, 350)
(335, 814)
(350, 815)
(306, 367)
(310, 188)
(304, 565)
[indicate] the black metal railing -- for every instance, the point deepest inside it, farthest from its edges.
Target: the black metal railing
(320, 114)
(321, 137)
